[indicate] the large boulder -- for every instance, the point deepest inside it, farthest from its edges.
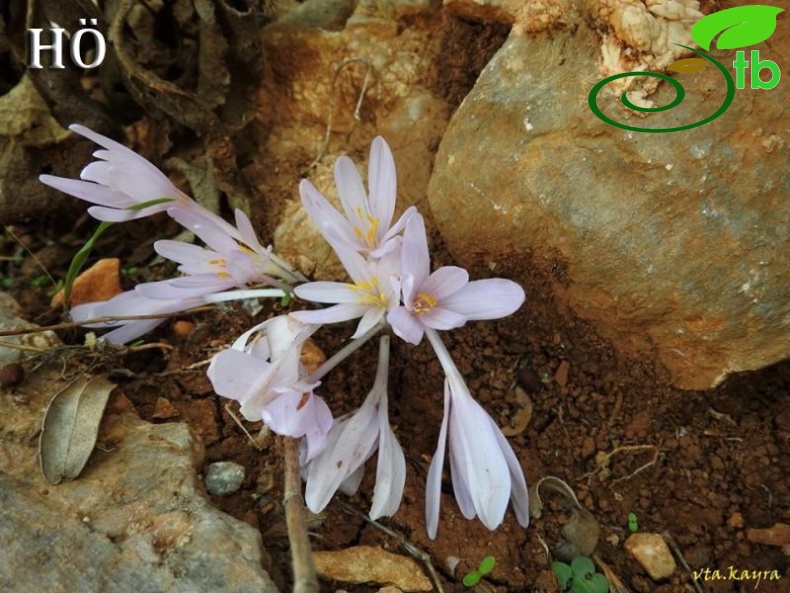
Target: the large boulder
(670, 243)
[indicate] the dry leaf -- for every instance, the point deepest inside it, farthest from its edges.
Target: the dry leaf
(71, 426)
(688, 65)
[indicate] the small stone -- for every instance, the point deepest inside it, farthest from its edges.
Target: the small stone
(100, 282)
(370, 564)
(312, 356)
(778, 535)
(224, 477)
(11, 374)
(164, 410)
(652, 552)
(735, 520)
(561, 376)
(182, 328)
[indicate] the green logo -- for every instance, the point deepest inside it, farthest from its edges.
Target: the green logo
(736, 27)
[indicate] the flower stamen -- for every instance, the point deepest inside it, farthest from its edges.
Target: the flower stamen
(424, 303)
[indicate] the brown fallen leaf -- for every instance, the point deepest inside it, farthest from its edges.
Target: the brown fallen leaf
(71, 426)
(688, 65)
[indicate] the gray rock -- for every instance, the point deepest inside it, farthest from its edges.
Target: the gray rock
(135, 521)
(224, 477)
(670, 244)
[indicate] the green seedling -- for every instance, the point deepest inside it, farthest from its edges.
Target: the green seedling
(579, 576)
(633, 524)
(474, 577)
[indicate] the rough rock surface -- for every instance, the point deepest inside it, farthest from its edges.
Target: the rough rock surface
(369, 564)
(675, 243)
(136, 520)
(652, 552)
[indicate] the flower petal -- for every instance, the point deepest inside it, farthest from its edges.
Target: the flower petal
(334, 314)
(486, 299)
(233, 374)
(390, 471)
(519, 493)
(433, 483)
(445, 282)
(351, 191)
(442, 318)
(405, 325)
(382, 183)
(330, 223)
(415, 259)
(327, 292)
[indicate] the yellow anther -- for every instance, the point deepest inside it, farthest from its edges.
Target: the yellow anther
(424, 303)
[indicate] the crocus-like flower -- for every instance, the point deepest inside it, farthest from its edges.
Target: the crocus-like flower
(485, 470)
(374, 292)
(267, 377)
(127, 304)
(119, 183)
(352, 440)
(366, 225)
(445, 299)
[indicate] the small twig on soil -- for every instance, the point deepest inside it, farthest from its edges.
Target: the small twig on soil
(602, 462)
(22, 347)
(699, 587)
(236, 419)
(333, 93)
(304, 573)
(615, 584)
(33, 255)
(641, 468)
(419, 554)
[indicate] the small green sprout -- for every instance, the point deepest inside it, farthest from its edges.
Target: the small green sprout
(579, 576)
(633, 524)
(474, 577)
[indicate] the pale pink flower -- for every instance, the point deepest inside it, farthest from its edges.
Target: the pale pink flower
(351, 442)
(368, 215)
(486, 472)
(118, 182)
(374, 292)
(264, 373)
(444, 299)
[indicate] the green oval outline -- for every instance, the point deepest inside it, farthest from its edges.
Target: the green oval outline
(728, 99)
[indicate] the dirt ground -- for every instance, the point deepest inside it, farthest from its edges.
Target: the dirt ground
(701, 467)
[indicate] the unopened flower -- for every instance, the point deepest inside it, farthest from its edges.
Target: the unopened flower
(368, 215)
(119, 183)
(351, 442)
(444, 299)
(375, 291)
(265, 375)
(486, 472)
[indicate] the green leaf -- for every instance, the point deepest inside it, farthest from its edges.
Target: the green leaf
(739, 26)
(564, 574)
(598, 584)
(471, 579)
(79, 260)
(633, 523)
(486, 565)
(582, 566)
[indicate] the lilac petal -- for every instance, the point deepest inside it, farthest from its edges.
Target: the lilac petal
(205, 226)
(90, 192)
(350, 189)
(350, 485)
(460, 489)
(318, 430)
(415, 259)
(357, 266)
(519, 492)
(433, 483)
(486, 299)
(334, 314)
(99, 139)
(131, 330)
(247, 231)
(474, 445)
(327, 292)
(332, 225)
(441, 318)
(241, 268)
(401, 223)
(390, 471)
(115, 215)
(183, 253)
(353, 446)
(382, 183)
(184, 287)
(369, 319)
(233, 373)
(405, 325)
(445, 282)
(295, 414)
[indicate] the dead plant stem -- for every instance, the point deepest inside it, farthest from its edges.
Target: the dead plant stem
(305, 579)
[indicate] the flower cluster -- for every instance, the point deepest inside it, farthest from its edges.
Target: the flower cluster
(390, 285)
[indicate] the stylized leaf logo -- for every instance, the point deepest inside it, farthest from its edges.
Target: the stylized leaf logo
(740, 26)
(688, 66)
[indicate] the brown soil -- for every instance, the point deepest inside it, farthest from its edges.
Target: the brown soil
(702, 467)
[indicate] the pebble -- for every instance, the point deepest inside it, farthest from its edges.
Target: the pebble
(224, 477)
(100, 282)
(11, 374)
(778, 535)
(652, 552)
